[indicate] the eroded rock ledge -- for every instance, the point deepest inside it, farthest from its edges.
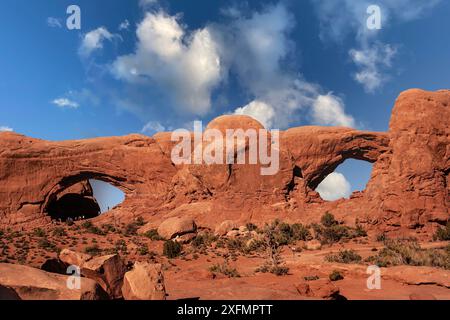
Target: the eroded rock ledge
(409, 187)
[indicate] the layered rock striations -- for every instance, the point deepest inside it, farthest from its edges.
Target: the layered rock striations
(408, 189)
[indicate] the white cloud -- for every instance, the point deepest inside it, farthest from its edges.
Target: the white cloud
(371, 63)
(329, 110)
(65, 103)
(257, 49)
(341, 18)
(54, 22)
(124, 25)
(153, 127)
(5, 129)
(94, 39)
(186, 66)
(260, 111)
(335, 186)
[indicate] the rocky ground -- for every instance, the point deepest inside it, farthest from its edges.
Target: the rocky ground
(327, 260)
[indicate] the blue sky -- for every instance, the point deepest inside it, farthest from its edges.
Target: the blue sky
(145, 65)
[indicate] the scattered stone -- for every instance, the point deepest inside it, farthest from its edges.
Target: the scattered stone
(225, 227)
(144, 282)
(176, 226)
(108, 271)
(34, 284)
(313, 245)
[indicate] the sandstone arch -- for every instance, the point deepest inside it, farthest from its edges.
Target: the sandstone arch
(409, 186)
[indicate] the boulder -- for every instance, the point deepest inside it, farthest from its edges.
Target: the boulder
(176, 226)
(34, 284)
(55, 266)
(73, 258)
(108, 271)
(225, 227)
(313, 245)
(144, 282)
(8, 294)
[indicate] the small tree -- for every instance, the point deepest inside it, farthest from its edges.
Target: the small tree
(172, 249)
(273, 247)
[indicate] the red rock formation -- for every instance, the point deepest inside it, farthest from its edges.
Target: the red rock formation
(408, 189)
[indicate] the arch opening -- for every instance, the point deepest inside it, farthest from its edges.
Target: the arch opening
(349, 177)
(85, 199)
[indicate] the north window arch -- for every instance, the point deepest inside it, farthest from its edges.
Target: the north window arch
(350, 176)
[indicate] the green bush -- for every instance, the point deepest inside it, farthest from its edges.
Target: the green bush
(382, 237)
(328, 220)
(93, 250)
(59, 232)
(251, 227)
(38, 232)
(279, 270)
(408, 252)
(91, 228)
(203, 240)
(47, 245)
(344, 256)
(443, 234)
(140, 222)
(172, 249)
(225, 269)
(143, 250)
(336, 276)
(153, 235)
(300, 232)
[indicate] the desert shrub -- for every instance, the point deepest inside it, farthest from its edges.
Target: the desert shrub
(311, 278)
(330, 231)
(153, 235)
(131, 229)
(38, 232)
(443, 234)
(273, 245)
(334, 233)
(203, 240)
(47, 245)
(328, 220)
(140, 222)
(225, 269)
(279, 270)
(91, 228)
(59, 232)
(93, 250)
(358, 232)
(235, 244)
(344, 256)
(408, 252)
(335, 276)
(120, 246)
(107, 228)
(382, 237)
(143, 250)
(251, 227)
(300, 232)
(2, 233)
(172, 249)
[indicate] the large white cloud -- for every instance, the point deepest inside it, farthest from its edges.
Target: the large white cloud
(94, 40)
(259, 110)
(186, 65)
(328, 110)
(335, 186)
